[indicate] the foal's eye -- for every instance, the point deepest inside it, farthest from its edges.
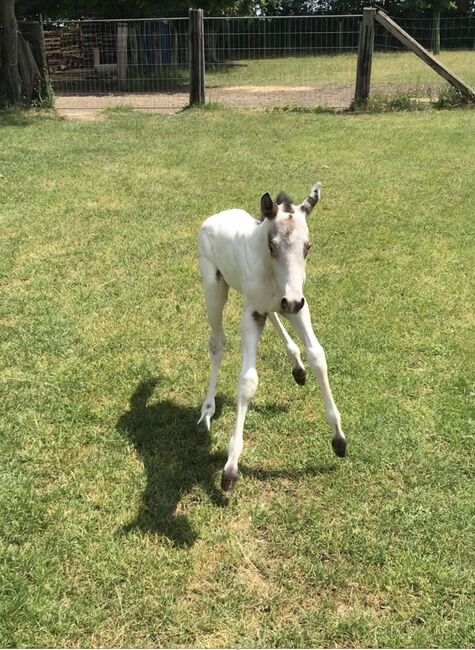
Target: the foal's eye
(306, 248)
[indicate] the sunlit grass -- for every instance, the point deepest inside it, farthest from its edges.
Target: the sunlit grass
(113, 531)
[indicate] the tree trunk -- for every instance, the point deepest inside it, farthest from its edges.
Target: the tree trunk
(29, 72)
(436, 30)
(23, 67)
(33, 35)
(10, 82)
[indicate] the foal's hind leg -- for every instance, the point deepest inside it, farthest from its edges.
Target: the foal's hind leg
(216, 295)
(292, 350)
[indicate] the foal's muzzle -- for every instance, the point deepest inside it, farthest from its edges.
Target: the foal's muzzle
(291, 306)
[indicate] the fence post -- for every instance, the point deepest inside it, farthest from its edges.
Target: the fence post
(365, 56)
(197, 57)
(122, 29)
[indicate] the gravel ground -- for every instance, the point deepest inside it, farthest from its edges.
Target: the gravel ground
(88, 107)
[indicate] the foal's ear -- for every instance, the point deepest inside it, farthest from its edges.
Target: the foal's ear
(268, 207)
(312, 199)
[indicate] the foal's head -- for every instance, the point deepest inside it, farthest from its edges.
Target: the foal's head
(288, 243)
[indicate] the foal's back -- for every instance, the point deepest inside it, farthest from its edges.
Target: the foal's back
(227, 225)
(223, 242)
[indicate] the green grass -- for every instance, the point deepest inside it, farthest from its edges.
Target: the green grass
(113, 531)
(402, 68)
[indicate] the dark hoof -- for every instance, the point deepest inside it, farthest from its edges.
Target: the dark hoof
(228, 481)
(339, 446)
(299, 375)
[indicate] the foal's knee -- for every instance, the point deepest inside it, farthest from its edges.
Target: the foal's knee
(248, 381)
(316, 359)
(217, 345)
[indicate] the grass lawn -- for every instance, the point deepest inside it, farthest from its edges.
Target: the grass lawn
(113, 531)
(403, 68)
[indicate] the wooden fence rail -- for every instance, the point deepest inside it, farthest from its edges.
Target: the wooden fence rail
(407, 40)
(365, 55)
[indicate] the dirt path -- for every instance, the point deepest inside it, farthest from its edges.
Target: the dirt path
(89, 107)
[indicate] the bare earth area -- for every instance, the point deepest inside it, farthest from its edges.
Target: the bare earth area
(88, 107)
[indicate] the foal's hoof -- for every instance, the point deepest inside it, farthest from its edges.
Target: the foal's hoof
(339, 446)
(203, 424)
(228, 481)
(299, 375)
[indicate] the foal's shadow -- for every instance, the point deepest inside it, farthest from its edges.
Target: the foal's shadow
(177, 457)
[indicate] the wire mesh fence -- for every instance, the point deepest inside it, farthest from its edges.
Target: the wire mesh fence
(400, 73)
(280, 60)
(104, 57)
(250, 61)
(456, 33)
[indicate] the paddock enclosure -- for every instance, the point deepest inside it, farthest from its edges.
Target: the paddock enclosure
(113, 529)
(249, 61)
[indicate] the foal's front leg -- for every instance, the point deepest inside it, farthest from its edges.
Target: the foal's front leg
(252, 326)
(291, 349)
(317, 361)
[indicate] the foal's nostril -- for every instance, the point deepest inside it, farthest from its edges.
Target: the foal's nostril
(302, 303)
(284, 303)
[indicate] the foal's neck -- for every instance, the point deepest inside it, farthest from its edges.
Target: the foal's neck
(261, 259)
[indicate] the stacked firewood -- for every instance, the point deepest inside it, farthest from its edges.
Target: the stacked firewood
(63, 49)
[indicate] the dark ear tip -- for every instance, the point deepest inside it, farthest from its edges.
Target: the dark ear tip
(268, 207)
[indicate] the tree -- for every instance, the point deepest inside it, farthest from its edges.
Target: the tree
(23, 69)
(434, 7)
(77, 9)
(10, 82)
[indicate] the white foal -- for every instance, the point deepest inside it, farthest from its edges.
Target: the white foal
(265, 261)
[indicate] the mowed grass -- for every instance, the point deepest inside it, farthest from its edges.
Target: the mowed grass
(395, 68)
(113, 528)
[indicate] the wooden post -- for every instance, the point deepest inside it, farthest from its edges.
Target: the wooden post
(122, 54)
(365, 56)
(197, 57)
(423, 54)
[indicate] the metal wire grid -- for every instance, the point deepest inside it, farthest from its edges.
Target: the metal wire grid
(280, 60)
(104, 57)
(278, 36)
(151, 55)
(457, 33)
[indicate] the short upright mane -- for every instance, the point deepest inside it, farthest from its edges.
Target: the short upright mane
(282, 197)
